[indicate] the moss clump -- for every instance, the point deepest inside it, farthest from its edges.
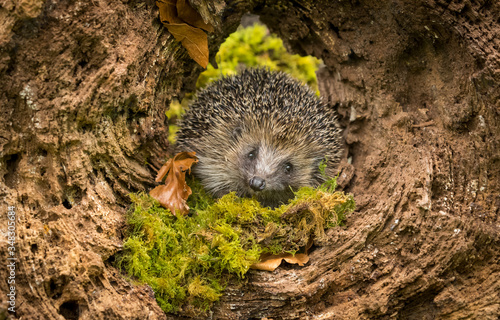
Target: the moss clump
(255, 46)
(174, 113)
(188, 260)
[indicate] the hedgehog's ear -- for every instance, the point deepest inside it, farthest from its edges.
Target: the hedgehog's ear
(236, 133)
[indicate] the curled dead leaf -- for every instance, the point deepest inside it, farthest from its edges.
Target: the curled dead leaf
(191, 16)
(186, 25)
(168, 11)
(271, 262)
(193, 39)
(174, 193)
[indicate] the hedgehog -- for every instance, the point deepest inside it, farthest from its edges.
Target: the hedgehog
(260, 134)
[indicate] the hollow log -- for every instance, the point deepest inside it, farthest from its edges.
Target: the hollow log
(84, 89)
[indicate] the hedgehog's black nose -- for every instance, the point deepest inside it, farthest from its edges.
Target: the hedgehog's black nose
(257, 184)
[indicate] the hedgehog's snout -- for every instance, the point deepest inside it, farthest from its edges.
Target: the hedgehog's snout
(257, 183)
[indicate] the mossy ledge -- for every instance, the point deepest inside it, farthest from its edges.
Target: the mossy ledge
(188, 260)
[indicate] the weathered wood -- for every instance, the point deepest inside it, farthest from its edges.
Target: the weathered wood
(84, 90)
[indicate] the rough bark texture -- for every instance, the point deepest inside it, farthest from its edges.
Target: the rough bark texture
(84, 90)
(85, 86)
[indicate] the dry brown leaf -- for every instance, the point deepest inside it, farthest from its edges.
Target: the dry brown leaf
(163, 171)
(193, 39)
(174, 193)
(299, 258)
(168, 11)
(191, 16)
(271, 262)
(184, 23)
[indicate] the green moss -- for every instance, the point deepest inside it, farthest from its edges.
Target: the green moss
(254, 46)
(188, 260)
(175, 112)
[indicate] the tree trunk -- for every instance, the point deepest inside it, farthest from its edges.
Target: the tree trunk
(417, 84)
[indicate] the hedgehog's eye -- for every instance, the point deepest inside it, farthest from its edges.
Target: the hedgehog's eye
(288, 167)
(252, 155)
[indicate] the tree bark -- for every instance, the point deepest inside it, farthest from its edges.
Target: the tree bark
(417, 84)
(85, 86)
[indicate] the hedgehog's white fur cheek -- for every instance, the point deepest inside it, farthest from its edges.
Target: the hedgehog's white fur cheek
(218, 177)
(303, 174)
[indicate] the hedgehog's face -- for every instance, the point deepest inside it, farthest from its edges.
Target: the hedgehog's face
(259, 134)
(254, 163)
(271, 173)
